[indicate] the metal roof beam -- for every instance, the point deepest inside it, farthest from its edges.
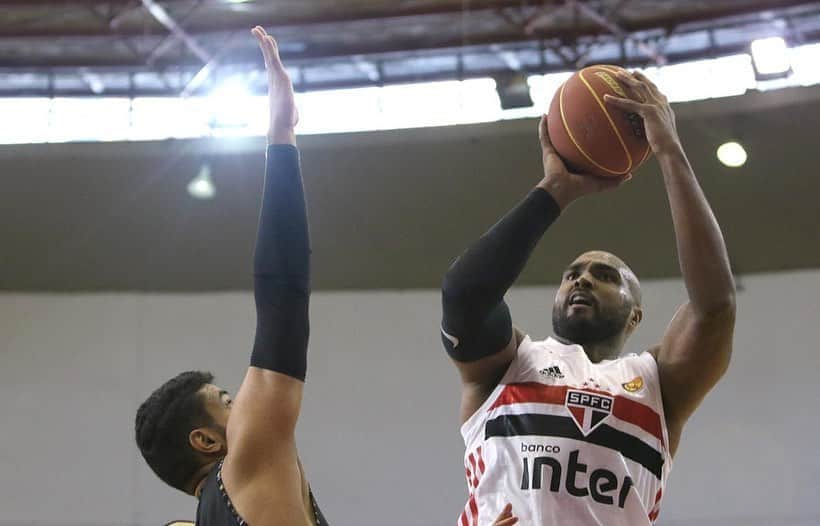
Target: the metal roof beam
(162, 16)
(270, 21)
(249, 55)
(607, 22)
(281, 21)
(448, 74)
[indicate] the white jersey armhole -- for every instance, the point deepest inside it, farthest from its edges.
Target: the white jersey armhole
(474, 423)
(649, 367)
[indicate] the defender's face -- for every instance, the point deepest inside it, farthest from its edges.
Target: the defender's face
(218, 404)
(212, 439)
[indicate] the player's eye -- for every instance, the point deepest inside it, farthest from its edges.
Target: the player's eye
(607, 276)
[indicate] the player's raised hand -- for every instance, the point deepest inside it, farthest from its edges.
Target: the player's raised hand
(283, 112)
(657, 114)
(564, 185)
(506, 518)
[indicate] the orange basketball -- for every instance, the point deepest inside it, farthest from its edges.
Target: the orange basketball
(594, 137)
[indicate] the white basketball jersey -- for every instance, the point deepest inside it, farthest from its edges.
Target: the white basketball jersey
(568, 442)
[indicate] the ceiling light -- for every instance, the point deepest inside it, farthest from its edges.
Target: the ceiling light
(513, 91)
(770, 57)
(230, 103)
(732, 154)
(201, 186)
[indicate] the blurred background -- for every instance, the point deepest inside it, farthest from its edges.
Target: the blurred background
(131, 164)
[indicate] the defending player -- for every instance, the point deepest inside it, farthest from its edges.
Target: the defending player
(245, 469)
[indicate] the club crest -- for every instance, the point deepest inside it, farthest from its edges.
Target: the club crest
(588, 410)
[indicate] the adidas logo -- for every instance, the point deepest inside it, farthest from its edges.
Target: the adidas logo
(552, 372)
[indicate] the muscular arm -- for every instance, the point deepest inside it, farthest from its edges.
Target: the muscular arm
(696, 347)
(476, 327)
(267, 405)
(476, 323)
(261, 471)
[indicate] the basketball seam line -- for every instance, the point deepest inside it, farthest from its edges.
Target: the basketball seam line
(645, 155)
(611, 122)
(569, 133)
(648, 148)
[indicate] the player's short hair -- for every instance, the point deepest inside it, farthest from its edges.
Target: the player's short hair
(629, 275)
(163, 423)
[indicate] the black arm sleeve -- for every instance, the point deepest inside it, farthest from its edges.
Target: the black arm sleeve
(281, 268)
(476, 321)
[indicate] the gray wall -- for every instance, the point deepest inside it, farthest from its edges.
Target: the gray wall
(378, 433)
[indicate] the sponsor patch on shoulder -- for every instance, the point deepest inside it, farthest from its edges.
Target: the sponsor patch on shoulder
(636, 384)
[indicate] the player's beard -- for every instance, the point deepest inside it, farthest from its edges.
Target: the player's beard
(602, 326)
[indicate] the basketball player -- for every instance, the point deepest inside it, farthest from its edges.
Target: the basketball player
(245, 469)
(568, 429)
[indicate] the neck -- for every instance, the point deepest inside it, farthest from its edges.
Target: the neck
(200, 477)
(608, 349)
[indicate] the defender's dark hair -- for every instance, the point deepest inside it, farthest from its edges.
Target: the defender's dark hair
(164, 422)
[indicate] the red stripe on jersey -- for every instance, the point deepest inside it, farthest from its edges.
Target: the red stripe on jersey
(531, 392)
(475, 475)
(624, 408)
(656, 511)
(469, 517)
(641, 415)
(474, 509)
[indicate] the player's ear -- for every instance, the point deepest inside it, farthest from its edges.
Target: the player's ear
(205, 440)
(635, 318)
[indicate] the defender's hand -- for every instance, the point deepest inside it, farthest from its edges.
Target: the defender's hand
(566, 186)
(506, 518)
(657, 114)
(283, 112)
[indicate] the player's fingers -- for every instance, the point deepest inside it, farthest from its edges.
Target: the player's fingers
(273, 49)
(259, 30)
(626, 104)
(259, 34)
(644, 91)
(657, 94)
(544, 135)
(646, 80)
(632, 87)
(276, 62)
(506, 517)
(262, 39)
